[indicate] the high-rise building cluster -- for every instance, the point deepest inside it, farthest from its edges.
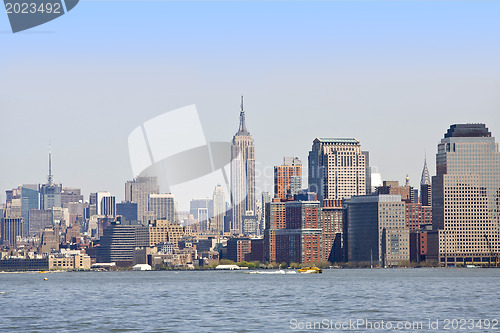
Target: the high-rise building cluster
(451, 219)
(453, 222)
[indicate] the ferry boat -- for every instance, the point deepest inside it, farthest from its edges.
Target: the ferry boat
(309, 270)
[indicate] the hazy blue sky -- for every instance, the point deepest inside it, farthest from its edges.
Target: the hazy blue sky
(392, 74)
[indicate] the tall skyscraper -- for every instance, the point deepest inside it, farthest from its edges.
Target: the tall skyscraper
(337, 168)
(425, 187)
(105, 204)
(29, 200)
(466, 197)
(162, 205)
(288, 178)
(219, 201)
(50, 193)
(242, 174)
(138, 191)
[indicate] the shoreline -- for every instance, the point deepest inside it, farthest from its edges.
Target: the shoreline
(204, 270)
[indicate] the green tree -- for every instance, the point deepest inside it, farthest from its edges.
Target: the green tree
(272, 265)
(226, 262)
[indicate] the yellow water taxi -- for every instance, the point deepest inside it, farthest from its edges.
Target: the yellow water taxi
(309, 270)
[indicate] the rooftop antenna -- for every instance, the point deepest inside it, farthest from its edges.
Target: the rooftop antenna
(49, 178)
(243, 129)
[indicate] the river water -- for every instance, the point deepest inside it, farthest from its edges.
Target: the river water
(369, 300)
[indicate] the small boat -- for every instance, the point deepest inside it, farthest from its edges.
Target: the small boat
(310, 270)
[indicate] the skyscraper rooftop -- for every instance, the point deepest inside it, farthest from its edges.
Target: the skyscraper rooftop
(338, 140)
(242, 130)
(426, 179)
(468, 130)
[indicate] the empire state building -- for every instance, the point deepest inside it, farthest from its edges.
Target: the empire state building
(242, 175)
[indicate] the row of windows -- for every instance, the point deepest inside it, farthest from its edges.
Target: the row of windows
(471, 229)
(400, 224)
(470, 224)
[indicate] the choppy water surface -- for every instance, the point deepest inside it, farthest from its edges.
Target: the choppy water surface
(374, 300)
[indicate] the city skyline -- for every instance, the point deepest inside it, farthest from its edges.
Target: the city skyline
(264, 182)
(390, 227)
(361, 187)
(51, 182)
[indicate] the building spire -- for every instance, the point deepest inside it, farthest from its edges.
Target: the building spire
(49, 178)
(426, 179)
(243, 129)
